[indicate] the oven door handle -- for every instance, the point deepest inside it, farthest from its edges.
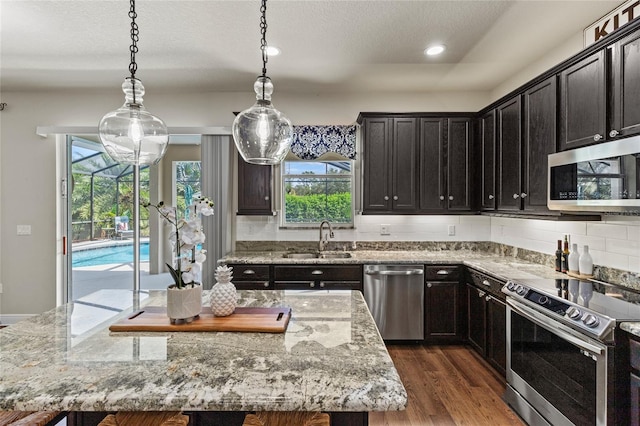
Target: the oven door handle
(554, 327)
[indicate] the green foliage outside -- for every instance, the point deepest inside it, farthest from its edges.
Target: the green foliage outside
(311, 208)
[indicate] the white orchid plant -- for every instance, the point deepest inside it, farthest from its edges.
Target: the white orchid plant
(187, 239)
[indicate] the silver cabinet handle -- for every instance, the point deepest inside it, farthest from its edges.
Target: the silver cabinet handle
(266, 198)
(317, 272)
(487, 283)
(429, 285)
(322, 284)
(516, 196)
(395, 197)
(450, 197)
(487, 298)
(614, 133)
(443, 272)
(441, 197)
(312, 285)
(597, 137)
(266, 284)
(249, 272)
(386, 198)
(490, 196)
(481, 293)
(407, 272)
(523, 195)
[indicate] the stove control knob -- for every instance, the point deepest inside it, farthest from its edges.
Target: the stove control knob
(511, 286)
(521, 290)
(543, 300)
(574, 313)
(590, 321)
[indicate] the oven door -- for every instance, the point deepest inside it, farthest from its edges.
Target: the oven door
(555, 375)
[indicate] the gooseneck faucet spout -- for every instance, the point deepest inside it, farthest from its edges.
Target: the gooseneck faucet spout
(322, 244)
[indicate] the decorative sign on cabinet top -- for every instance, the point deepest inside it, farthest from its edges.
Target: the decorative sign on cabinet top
(620, 16)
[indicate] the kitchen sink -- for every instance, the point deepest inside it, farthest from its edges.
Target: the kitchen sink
(321, 255)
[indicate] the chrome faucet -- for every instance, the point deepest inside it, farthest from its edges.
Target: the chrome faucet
(322, 244)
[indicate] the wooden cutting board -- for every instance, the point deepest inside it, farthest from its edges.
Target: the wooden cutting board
(261, 320)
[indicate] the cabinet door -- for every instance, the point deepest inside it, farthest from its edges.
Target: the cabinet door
(539, 141)
(509, 154)
(477, 313)
(405, 164)
(635, 400)
(458, 174)
(626, 87)
(583, 109)
(497, 334)
(254, 189)
(377, 164)
(488, 144)
(441, 307)
(432, 186)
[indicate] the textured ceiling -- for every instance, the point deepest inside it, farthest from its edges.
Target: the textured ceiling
(332, 45)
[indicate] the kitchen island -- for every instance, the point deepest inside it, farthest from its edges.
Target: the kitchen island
(330, 359)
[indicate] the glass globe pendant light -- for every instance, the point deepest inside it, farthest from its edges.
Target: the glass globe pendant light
(261, 133)
(131, 135)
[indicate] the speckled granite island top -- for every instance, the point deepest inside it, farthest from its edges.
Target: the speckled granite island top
(331, 358)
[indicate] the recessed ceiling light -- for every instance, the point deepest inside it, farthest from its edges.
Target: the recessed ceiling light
(434, 50)
(273, 51)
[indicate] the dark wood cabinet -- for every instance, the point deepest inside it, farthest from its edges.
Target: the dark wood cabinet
(444, 316)
(390, 164)
(625, 90)
(445, 145)
(251, 277)
(583, 102)
(254, 189)
(317, 277)
(487, 319)
(509, 119)
(539, 141)
(487, 124)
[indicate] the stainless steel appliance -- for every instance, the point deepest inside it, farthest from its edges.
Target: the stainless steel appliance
(395, 296)
(603, 177)
(565, 352)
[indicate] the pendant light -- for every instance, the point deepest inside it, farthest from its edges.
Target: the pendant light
(133, 136)
(130, 134)
(262, 134)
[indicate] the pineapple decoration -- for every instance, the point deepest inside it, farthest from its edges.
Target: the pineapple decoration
(223, 293)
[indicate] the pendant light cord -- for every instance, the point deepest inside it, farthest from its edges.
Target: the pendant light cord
(133, 49)
(263, 42)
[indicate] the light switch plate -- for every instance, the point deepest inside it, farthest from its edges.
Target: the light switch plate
(452, 230)
(385, 229)
(24, 230)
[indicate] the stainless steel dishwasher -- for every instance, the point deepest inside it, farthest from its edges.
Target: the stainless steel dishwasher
(395, 297)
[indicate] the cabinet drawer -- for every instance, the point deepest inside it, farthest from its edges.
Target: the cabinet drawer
(318, 273)
(250, 272)
(634, 354)
(488, 284)
(442, 273)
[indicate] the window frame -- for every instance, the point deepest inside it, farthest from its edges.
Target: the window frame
(314, 225)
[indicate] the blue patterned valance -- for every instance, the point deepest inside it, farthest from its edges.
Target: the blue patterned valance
(323, 142)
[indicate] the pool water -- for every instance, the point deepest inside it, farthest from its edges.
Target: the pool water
(107, 255)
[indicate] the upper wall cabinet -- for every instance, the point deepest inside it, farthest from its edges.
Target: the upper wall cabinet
(254, 189)
(539, 139)
(445, 145)
(599, 95)
(390, 164)
(488, 145)
(509, 117)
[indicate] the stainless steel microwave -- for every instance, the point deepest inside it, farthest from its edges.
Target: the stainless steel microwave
(603, 177)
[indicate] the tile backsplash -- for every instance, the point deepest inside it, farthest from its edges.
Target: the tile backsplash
(613, 242)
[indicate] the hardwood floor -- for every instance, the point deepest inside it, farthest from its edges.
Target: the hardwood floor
(446, 385)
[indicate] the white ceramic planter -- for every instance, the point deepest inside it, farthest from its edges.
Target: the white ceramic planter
(184, 303)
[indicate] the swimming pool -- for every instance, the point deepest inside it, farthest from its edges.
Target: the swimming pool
(108, 255)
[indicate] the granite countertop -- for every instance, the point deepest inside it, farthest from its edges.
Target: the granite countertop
(499, 266)
(331, 358)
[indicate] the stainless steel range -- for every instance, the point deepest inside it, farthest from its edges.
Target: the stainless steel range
(565, 352)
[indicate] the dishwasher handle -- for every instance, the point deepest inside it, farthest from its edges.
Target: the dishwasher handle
(390, 272)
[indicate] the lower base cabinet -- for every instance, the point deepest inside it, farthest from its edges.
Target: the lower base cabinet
(444, 311)
(487, 320)
(317, 277)
(251, 277)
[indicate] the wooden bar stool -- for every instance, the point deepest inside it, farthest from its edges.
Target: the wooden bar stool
(30, 418)
(145, 418)
(287, 418)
